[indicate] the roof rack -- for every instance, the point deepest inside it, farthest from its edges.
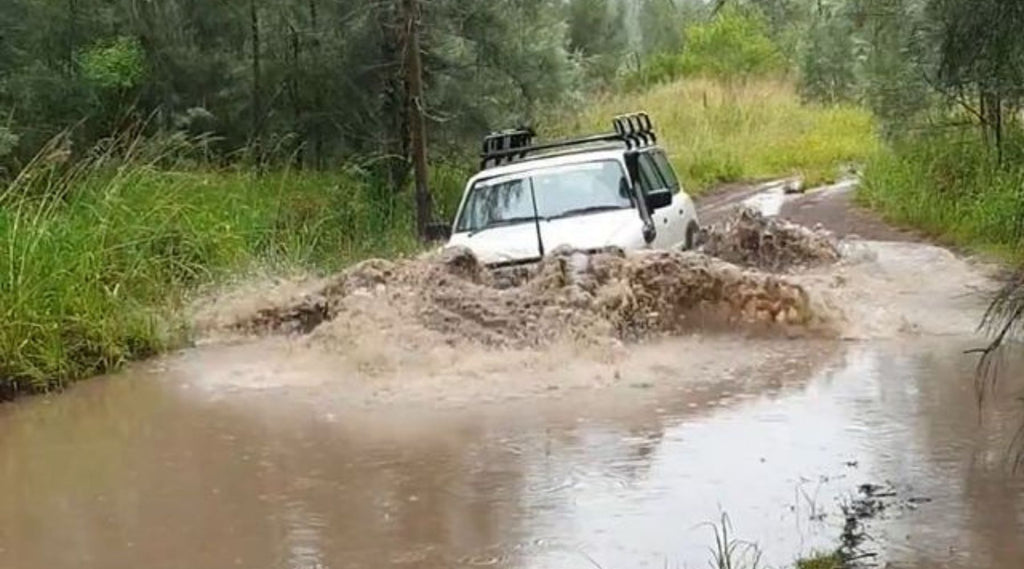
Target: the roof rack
(635, 130)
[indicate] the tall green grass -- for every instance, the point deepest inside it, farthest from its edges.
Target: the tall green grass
(720, 131)
(98, 259)
(953, 188)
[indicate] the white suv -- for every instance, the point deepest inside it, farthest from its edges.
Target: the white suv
(591, 193)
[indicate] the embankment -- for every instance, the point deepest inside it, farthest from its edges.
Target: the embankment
(954, 189)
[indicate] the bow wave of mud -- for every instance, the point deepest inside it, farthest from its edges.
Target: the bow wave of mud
(588, 298)
(752, 239)
(583, 298)
(444, 324)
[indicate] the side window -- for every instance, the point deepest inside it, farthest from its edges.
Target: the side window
(650, 179)
(665, 167)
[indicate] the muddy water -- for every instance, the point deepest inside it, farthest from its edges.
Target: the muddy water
(163, 469)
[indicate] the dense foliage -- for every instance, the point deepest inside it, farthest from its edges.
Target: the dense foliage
(946, 80)
(320, 79)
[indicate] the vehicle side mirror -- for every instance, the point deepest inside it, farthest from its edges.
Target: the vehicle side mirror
(438, 231)
(659, 199)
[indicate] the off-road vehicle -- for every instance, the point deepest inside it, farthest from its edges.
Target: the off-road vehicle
(611, 190)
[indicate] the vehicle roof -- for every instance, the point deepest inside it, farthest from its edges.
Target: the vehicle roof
(558, 157)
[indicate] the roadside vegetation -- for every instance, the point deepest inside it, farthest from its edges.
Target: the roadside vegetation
(822, 561)
(728, 106)
(720, 132)
(100, 258)
(952, 188)
(945, 79)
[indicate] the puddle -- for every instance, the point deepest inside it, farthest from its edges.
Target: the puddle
(153, 470)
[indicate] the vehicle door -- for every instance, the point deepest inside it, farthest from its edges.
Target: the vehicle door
(656, 175)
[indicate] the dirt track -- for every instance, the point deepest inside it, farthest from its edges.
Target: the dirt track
(832, 207)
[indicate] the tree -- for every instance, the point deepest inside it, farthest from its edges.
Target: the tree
(661, 25)
(828, 68)
(981, 58)
(597, 32)
(735, 43)
(315, 81)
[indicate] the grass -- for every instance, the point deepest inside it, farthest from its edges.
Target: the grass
(821, 561)
(729, 552)
(97, 260)
(720, 132)
(952, 188)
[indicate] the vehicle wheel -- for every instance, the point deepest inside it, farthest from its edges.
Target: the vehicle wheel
(692, 231)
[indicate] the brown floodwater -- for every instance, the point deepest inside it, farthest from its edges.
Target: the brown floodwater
(153, 469)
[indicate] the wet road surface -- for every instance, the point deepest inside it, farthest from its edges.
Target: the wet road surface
(130, 472)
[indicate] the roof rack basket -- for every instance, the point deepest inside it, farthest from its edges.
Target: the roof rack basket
(635, 130)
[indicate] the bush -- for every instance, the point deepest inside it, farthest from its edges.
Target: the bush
(735, 44)
(828, 62)
(952, 187)
(119, 63)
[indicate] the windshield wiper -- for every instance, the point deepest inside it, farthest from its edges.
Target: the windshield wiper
(587, 210)
(503, 223)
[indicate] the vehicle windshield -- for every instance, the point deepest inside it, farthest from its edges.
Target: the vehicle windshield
(562, 191)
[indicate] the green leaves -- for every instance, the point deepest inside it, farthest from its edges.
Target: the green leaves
(736, 43)
(827, 63)
(116, 64)
(8, 141)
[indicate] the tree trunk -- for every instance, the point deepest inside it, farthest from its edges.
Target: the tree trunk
(72, 32)
(417, 124)
(257, 103)
(394, 133)
(294, 96)
(318, 101)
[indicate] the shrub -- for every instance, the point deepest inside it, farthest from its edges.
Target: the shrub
(734, 44)
(953, 187)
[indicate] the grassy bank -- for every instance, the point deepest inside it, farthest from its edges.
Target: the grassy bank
(97, 261)
(952, 188)
(718, 132)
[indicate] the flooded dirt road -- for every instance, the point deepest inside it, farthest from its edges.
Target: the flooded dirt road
(276, 455)
(132, 472)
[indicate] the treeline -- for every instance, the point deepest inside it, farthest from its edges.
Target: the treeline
(316, 82)
(311, 81)
(946, 80)
(921, 62)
